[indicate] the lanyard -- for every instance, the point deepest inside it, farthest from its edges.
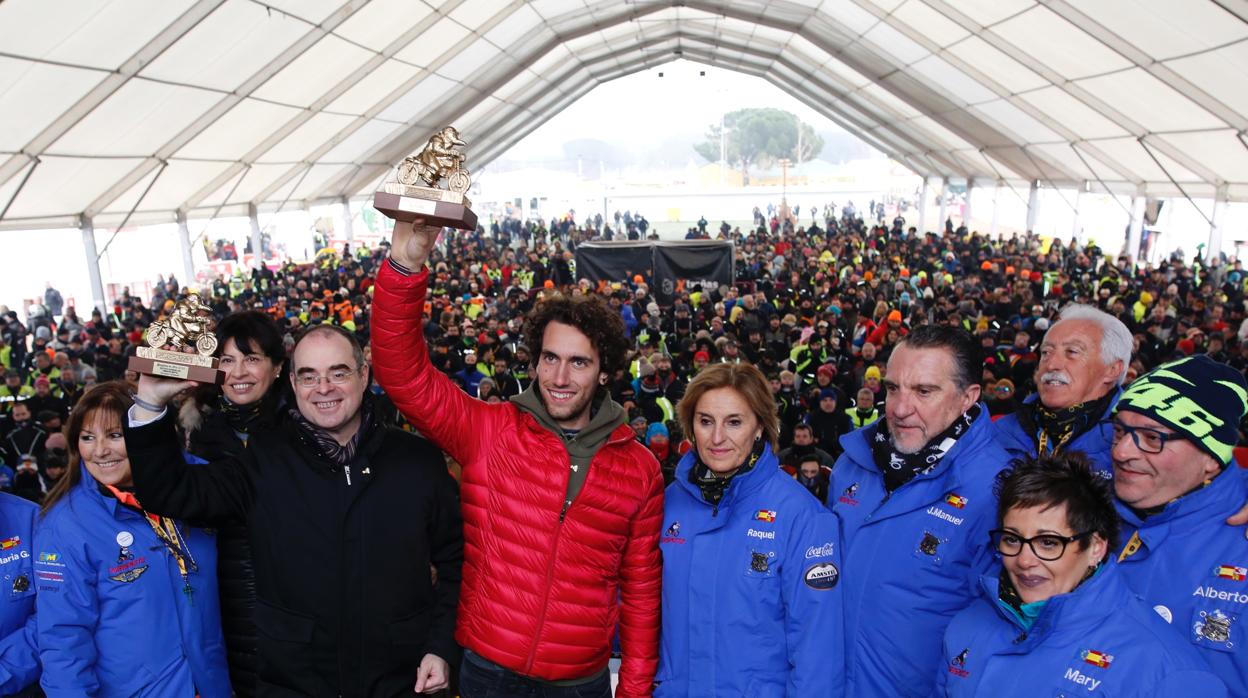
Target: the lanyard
(1132, 547)
(167, 531)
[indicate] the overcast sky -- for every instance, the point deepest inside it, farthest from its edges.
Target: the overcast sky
(636, 108)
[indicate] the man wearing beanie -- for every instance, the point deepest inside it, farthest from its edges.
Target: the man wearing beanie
(827, 422)
(1174, 431)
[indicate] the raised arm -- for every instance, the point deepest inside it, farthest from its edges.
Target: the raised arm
(163, 481)
(438, 409)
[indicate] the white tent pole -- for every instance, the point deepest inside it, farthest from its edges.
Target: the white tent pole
(1076, 228)
(923, 207)
(348, 230)
(1033, 205)
(1215, 230)
(966, 211)
(944, 203)
(1136, 229)
(93, 263)
(184, 242)
(257, 257)
(996, 207)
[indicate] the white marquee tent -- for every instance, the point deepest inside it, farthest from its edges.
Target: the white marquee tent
(157, 110)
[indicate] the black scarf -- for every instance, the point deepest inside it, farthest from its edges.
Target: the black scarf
(1051, 430)
(899, 468)
(241, 418)
(713, 486)
(327, 445)
(1007, 592)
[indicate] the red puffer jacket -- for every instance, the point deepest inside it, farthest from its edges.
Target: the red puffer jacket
(539, 594)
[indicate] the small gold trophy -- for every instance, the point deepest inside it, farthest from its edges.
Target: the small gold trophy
(404, 199)
(189, 325)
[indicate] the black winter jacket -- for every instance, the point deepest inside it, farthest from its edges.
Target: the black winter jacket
(216, 440)
(345, 602)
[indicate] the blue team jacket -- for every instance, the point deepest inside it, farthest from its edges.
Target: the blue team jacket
(19, 651)
(912, 558)
(751, 590)
(1098, 640)
(1097, 442)
(113, 617)
(1193, 570)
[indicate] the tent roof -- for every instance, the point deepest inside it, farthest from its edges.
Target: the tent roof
(209, 107)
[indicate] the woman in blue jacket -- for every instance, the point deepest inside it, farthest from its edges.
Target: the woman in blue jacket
(1057, 620)
(127, 601)
(751, 561)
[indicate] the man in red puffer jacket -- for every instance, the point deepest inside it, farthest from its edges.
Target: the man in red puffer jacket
(562, 506)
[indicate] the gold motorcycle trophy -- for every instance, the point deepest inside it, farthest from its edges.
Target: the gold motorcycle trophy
(189, 325)
(403, 197)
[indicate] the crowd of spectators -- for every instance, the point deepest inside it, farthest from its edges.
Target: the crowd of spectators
(818, 308)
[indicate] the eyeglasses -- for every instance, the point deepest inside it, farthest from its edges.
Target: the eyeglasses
(1146, 439)
(337, 376)
(1047, 546)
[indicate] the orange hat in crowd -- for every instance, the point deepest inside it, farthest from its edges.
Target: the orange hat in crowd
(548, 284)
(986, 266)
(894, 316)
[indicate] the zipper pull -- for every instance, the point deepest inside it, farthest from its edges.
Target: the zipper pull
(347, 470)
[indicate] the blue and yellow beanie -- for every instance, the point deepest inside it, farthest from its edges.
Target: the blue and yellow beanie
(1196, 396)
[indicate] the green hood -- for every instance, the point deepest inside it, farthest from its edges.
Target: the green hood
(606, 415)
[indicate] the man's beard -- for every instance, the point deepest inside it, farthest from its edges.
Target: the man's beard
(904, 451)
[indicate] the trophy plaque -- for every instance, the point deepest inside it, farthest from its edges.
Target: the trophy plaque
(415, 191)
(189, 325)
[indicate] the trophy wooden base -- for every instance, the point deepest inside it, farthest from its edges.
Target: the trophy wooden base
(409, 208)
(178, 365)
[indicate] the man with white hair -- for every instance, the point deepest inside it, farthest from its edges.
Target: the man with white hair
(1083, 360)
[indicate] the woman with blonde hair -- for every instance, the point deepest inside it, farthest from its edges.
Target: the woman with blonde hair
(751, 602)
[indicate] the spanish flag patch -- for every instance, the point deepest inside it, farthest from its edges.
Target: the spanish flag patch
(1096, 658)
(1238, 574)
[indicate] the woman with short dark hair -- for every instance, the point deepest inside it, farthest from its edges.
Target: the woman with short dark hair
(1058, 617)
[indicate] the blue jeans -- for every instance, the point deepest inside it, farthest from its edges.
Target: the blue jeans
(479, 678)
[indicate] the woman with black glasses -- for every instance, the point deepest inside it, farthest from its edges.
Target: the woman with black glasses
(1058, 620)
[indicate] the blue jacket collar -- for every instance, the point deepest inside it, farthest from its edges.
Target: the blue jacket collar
(742, 484)
(1031, 399)
(89, 487)
(1066, 615)
(1223, 496)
